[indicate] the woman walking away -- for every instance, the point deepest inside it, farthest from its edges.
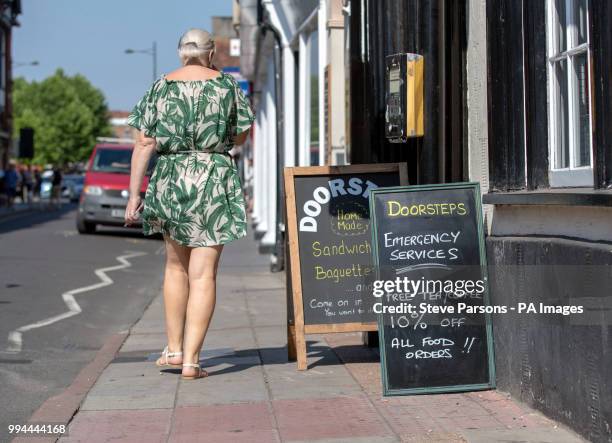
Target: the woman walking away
(192, 117)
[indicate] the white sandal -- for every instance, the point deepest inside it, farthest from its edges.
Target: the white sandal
(201, 372)
(164, 357)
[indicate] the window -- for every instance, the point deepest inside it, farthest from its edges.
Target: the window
(569, 95)
(2, 58)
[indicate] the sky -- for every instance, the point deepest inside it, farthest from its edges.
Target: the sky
(90, 36)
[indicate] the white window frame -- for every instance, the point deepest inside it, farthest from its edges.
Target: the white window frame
(572, 176)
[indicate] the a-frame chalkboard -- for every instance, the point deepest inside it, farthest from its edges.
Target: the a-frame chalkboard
(439, 337)
(329, 246)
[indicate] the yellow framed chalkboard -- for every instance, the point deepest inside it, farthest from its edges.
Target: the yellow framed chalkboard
(329, 249)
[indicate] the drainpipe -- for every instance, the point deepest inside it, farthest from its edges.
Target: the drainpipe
(278, 260)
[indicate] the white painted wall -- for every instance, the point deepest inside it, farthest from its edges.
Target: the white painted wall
(304, 100)
(336, 62)
(477, 115)
(582, 222)
(265, 190)
(289, 105)
(257, 159)
(322, 33)
(269, 188)
(330, 50)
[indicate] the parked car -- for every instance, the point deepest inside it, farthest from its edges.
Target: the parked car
(105, 193)
(45, 184)
(72, 186)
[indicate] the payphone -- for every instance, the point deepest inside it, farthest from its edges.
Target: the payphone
(404, 97)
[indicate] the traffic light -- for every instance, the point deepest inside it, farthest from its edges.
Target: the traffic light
(26, 143)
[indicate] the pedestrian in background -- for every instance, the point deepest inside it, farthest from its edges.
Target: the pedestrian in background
(26, 184)
(37, 184)
(3, 200)
(194, 197)
(11, 181)
(56, 188)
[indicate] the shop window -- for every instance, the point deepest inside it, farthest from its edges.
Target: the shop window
(569, 95)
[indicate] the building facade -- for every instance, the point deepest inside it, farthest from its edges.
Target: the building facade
(517, 97)
(227, 47)
(293, 55)
(550, 185)
(119, 127)
(9, 10)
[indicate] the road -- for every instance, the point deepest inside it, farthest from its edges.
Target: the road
(42, 257)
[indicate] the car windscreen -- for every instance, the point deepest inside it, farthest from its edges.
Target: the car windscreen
(116, 161)
(76, 179)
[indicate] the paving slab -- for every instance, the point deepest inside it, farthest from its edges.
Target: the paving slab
(285, 382)
(539, 435)
(250, 422)
(129, 426)
(151, 319)
(148, 341)
(455, 417)
(240, 338)
(336, 417)
(229, 384)
(369, 439)
(132, 386)
(254, 394)
(228, 317)
(274, 336)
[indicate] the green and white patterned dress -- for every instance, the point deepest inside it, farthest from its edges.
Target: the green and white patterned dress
(194, 194)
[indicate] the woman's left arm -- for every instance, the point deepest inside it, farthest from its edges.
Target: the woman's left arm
(143, 150)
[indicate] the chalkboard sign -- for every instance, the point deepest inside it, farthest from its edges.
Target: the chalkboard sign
(433, 314)
(328, 222)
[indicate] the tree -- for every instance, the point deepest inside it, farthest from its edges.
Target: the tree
(67, 114)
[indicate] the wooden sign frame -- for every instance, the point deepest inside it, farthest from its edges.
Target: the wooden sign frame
(475, 187)
(296, 332)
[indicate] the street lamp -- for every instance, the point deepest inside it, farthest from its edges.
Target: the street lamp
(152, 51)
(32, 63)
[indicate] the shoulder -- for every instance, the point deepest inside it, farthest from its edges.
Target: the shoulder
(157, 84)
(154, 91)
(228, 80)
(176, 72)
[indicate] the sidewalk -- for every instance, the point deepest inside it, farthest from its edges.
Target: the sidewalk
(254, 395)
(17, 208)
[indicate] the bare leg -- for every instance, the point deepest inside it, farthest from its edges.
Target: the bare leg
(176, 294)
(202, 296)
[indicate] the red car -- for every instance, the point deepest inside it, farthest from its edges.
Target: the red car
(105, 192)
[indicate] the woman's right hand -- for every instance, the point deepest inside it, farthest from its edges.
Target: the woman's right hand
(132, 211)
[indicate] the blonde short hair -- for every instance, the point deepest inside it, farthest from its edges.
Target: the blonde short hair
(196, 44)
